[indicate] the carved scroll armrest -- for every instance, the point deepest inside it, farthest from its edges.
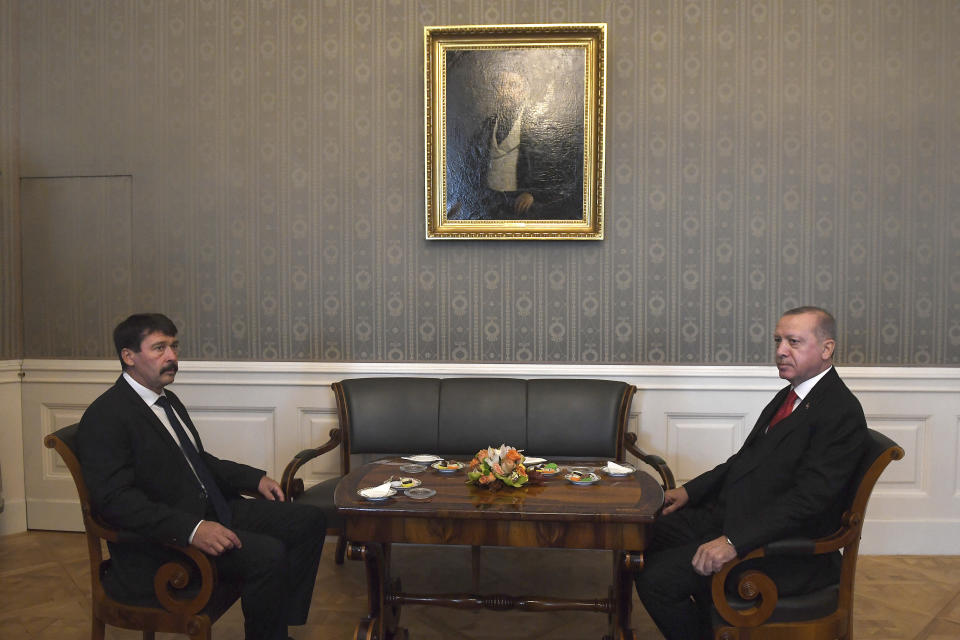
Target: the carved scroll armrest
(756, 586)
(174, 576)
(658, 463)
(293, 486)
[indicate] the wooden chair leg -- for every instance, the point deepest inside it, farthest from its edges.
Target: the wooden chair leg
(341, 548)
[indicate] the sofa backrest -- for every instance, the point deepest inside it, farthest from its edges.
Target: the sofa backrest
(482, 412)
(577, 417)
(389, 415)
(545, 417)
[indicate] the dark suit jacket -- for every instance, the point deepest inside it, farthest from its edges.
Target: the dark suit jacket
(549, 167)
(140, 481)
(791, 481)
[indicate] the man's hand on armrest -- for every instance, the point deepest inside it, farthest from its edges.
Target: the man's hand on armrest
(674, 499)
(711, 556)
(213, 538)
(269, 489)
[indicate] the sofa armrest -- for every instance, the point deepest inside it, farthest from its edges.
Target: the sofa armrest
(658, 463)
(293, 486)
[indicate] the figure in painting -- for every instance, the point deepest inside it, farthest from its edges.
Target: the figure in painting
(515, 127)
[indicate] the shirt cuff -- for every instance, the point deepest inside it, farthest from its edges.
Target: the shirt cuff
(193, 533)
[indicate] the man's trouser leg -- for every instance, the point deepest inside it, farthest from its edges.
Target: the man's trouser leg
(277, 563)
(676, 596)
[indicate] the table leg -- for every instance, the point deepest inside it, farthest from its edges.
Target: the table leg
(624, 567)
(381, 622)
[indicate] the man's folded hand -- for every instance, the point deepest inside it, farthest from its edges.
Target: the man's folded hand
(213, 538)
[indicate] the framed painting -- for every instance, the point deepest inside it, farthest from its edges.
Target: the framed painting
(514, 119)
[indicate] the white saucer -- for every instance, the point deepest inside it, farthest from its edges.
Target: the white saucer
(360, 492)
(422, 458)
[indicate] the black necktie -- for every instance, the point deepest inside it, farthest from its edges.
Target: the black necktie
(203, 473)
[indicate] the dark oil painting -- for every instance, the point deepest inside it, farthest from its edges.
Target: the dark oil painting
(515, 133)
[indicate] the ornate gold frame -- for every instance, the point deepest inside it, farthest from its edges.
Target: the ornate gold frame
(516, 40)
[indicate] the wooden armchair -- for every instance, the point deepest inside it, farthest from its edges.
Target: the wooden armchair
(755, 612)
(177, 609)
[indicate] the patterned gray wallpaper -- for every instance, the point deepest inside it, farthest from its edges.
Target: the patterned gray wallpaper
(760, 154)
(10, 346)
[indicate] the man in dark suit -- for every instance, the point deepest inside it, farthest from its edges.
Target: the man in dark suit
(787, 480)
(148, 473)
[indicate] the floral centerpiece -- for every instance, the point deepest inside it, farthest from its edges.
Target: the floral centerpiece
(495, 468)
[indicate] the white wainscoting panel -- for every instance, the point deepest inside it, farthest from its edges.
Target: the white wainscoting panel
(263, 413)
(700, 442)
(315, 426)
(907, 475)
(54, 416)
(240, 433)
(956, 459)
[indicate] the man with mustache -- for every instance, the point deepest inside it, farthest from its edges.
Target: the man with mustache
(148, 473)
(786, 481)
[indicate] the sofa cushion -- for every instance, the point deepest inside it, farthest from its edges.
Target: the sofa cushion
(321, 495)
(574, 417)
(480, 412)
(392, 415)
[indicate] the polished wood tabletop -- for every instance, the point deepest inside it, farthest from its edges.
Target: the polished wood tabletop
(634, 498)
(613, 513)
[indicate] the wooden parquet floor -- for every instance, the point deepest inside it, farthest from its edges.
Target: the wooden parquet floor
(44, 594)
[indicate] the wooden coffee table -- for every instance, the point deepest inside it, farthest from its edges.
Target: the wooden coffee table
(611, 514)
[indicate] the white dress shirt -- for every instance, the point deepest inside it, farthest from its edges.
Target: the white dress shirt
(150, 396)
(804, 387)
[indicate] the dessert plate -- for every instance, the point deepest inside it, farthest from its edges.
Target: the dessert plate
(447, 466)
(412, 468)
(405, 483)
(582, 480)
(420, 493)
(376, 494)
(422, 458)
(618, 469)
